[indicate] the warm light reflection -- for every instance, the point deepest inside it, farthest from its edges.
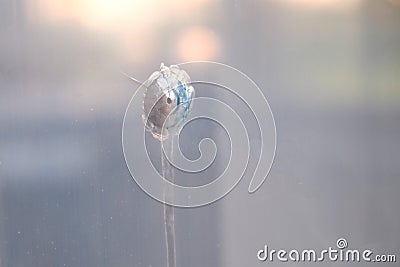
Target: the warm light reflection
(132, 25)
(198, 43)
(109, 13)
(96, 13)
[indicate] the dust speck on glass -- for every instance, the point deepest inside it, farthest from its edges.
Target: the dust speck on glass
(167, 101)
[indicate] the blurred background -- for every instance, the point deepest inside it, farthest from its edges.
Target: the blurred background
(330, 70)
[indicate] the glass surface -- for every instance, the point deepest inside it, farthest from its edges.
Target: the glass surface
(330, 71)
